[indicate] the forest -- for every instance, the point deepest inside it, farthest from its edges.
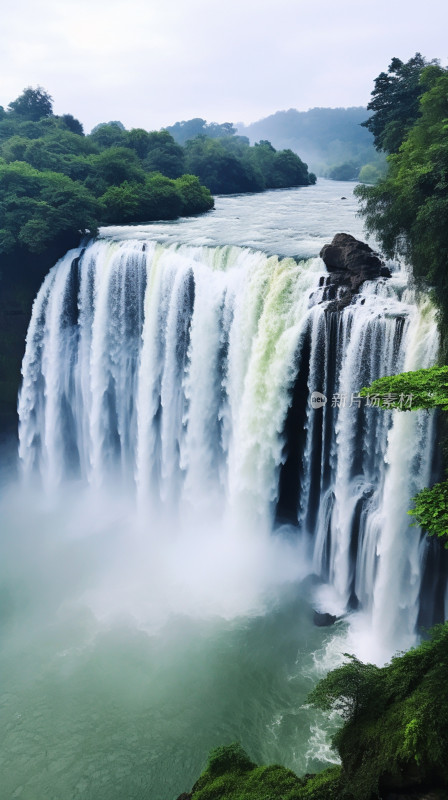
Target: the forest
(57, 183)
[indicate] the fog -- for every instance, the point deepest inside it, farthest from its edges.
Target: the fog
(93, 550)
(130, 648)
(150, 65)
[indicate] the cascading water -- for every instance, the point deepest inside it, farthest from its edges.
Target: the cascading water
(186, 373)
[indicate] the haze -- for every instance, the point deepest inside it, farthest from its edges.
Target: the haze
(149, 64)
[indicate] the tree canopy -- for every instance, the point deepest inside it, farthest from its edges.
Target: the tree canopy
(33, 104)
(428, 389)
(231, 165)
(408, 208)
(395, 719)
(395, 101)
(189, 129)
(56, 182)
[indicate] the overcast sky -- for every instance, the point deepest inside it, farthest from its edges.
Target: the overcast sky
(151, 63)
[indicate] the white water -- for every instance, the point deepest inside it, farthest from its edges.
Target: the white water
(170, 369)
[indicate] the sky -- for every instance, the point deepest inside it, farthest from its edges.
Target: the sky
(151, 63)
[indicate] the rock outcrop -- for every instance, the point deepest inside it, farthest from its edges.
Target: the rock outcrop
(350, 262)
(323, 619)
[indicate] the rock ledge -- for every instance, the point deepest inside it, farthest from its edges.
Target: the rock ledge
(350, 262)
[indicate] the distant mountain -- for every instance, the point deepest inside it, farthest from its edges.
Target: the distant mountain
(328, 139)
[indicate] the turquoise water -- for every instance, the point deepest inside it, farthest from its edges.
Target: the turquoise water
(107, 694)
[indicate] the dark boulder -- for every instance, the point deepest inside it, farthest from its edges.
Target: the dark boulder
(350, 262)
(323, 620)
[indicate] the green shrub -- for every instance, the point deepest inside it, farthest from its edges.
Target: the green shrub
(395, 719)
(231, 775)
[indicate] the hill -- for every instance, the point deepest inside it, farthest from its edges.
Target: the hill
(330, 140)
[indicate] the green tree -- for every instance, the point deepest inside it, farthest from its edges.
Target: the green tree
(159, 198)
(33, 104)
(431, 511)
(73, 124)
(408, 209)
(370, 173)
(428, 389)
(40, 207)
(139, 140)
(217, 168)
(395, 101)
(115, 165)
(394, 732)
(108, 134)
(14, 148)
(195, 198)
(121, 203)
(164, 155)
(289, 170)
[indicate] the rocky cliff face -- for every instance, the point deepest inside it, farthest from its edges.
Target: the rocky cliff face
(15, 310)
(20, 278)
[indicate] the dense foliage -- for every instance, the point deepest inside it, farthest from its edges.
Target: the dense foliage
(231, 775)
(40, 206)
(56, 183)
(395, 719)
(395, 101)
(408, 209)
(427, 388)
(431, 511)
(230, 165)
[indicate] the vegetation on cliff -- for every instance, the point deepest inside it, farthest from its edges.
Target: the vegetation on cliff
(428, 389)
(393, 736)
(395, 101)
(395, 719)
(408, 209)
(231, 775)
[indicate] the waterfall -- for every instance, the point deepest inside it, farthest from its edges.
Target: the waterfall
(185, 373)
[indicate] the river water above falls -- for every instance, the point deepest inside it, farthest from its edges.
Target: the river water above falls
(179, 491)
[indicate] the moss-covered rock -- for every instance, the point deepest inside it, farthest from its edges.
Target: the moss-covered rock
(231, 775)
